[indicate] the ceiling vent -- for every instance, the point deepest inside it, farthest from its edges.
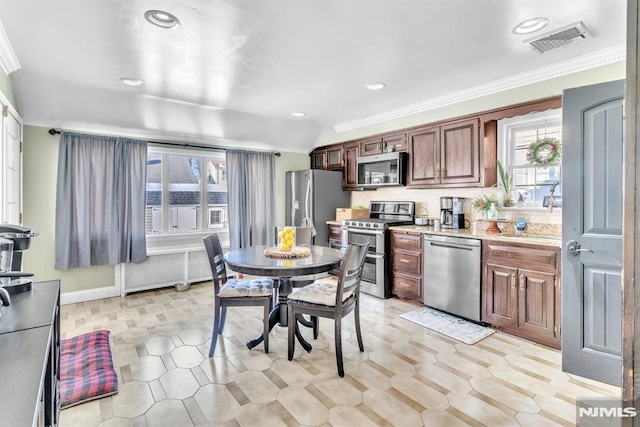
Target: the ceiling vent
(559, 37)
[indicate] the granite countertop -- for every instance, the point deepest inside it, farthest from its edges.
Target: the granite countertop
(534, 239)
(334, 222)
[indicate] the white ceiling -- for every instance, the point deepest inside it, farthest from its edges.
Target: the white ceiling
(233, 71)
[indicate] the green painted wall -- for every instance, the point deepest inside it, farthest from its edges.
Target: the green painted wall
(6, 87)
(543, 89)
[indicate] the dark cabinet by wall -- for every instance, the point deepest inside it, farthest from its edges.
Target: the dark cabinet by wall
(443, 156)
(378, 145)
(406, 264)
(370, 147)
(350, 170)
(334, 158)
(521, 290)
(319, 159)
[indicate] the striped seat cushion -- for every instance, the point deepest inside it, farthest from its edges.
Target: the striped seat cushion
(246, 288)
(86, 368)
(323, 293)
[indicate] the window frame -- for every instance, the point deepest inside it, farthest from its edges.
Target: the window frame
(165, 238)
(506, 152)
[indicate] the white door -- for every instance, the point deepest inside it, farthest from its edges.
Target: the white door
(12, 170)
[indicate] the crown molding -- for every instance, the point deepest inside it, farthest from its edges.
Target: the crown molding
(581, 63)
(8, 59)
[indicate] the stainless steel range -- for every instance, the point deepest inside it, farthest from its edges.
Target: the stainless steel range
(376, 271)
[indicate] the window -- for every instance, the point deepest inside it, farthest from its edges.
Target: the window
(531, 184)
(186, 191)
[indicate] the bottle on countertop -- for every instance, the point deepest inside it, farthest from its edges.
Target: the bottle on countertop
(493, 211)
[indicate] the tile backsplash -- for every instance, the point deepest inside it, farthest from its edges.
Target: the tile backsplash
(430, 200)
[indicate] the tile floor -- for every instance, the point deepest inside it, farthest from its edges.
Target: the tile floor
(407, 376)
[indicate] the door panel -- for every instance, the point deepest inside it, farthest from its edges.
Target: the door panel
(537, 302)
(459, 160)
(592, 217)
(500, 295)
(424, 149)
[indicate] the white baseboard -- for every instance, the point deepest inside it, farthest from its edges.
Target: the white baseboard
(89, 295)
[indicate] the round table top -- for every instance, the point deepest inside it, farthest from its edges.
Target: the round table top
(252, 260)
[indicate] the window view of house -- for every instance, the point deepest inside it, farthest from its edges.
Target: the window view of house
(186, 193)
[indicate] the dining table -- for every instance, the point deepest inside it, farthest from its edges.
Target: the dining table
(253, 260)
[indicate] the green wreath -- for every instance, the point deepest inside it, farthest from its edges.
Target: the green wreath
(544, 152)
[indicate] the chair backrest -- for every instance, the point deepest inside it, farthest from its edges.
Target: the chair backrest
(351, 270)
(304, 235)
(216, 260)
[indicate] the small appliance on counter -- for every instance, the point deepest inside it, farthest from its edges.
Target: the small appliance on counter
(457, 212)
(14, 239)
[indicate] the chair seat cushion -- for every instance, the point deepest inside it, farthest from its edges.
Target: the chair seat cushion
(323, 293)
(246, 288)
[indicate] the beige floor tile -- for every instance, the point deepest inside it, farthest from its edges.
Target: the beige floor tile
(116, 422)
(535, 420)
(508, 374)
(168, 413)
(257, 386)
(304, 407)
(443, 377)
(187, 357)
(393, 410)
(292, 373)
(258, 414)
(132, 400)
(217, 403)
(347, 416)
(158, 346)
(480, 410)
(86, 414)
(392, 362)
(442, 418)
(338, 390)
(420, 392)
(219, 370)
(505, 395)
(557, 406)
(147, 368)
(195, 336)
(179, 383)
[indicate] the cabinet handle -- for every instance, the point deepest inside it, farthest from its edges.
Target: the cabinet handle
(437, 173)
(406, 261)
(522, 283)
(513, 280)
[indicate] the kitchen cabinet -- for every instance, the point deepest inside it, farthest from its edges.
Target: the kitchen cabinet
(445, 156)
(334, 157)
(335, 242)
(319, 159)
(521, 290)
(377, 145)
(350, 169)
(406, 265)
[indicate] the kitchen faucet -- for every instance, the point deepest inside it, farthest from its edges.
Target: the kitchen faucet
(551, 191)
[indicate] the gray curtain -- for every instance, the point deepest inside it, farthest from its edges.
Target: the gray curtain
(100, 201)
(251, 190)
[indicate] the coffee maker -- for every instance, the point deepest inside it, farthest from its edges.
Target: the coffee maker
(446, 212)
(457, 212)
(14, 239)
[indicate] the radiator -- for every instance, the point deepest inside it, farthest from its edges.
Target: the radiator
(164, 268)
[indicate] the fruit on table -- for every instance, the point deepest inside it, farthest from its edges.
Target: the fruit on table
(287, 238)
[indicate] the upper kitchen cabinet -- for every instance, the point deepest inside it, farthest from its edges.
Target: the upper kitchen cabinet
(319, 159)
(334, 157)
(373, 146)
(448, 155)
(350, 169)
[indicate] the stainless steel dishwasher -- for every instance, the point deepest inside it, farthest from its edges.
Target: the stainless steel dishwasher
(452, 275)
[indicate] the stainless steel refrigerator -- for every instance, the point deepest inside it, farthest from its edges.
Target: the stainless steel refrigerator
(312, 198)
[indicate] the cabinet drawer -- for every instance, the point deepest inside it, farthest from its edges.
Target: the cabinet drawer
(406, 241)
(407, 287)
(335, 232)
(407, 262)
(522, 255)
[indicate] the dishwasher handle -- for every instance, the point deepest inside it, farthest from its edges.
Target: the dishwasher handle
(452, 246)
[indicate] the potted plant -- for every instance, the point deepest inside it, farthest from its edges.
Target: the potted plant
(483, 204)
(506, 181)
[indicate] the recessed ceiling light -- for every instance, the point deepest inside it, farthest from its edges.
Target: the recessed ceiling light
(131, 82)
(299, 114)
(375, 86)
(530, 26)
(161, 19)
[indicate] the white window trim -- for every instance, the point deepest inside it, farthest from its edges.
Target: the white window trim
(505, 155)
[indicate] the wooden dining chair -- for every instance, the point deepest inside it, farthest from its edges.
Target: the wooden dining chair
(231, 292)
(330, 300)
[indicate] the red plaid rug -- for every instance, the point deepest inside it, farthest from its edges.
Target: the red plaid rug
(86, 368)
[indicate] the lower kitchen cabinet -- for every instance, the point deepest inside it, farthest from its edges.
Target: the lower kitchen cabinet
(406, 265)
(521, 290)
(335, 242)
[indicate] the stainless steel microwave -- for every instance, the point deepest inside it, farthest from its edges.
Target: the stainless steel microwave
(382, 170)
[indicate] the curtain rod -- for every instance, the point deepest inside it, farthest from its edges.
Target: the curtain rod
(174, 144)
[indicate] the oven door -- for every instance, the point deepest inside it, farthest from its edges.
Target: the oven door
(373, 278)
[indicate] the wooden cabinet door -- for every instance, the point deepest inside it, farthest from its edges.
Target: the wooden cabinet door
(407, 286)
(370, 147)
(459, 153)
(395, 142)
(350, 171)
(319, 159)
(536, 305)
(500, 295)
(424, 153)
(334, 158)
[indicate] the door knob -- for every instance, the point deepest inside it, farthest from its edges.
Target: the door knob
(573, 248)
